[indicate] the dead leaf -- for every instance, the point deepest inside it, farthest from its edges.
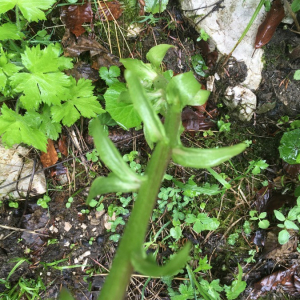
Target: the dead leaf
(193, 121)
(83, 70)
(50, 157)
(287, 280)
(62, 145)
(73, 16)
(109, 11)
(292, 170)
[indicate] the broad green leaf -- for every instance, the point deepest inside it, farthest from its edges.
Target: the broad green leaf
(279, 215)
(109, 76)
(176, 232)
(157, 53)
(262, 215)
(155, 6)
(45, 82)
(199, 65)
(152, 124)
(9, 31)
(144, 71)
(289, 148)
(263, 224)
(110, 155)
(283, 237)
(237, 286)
(122, 112)
(293, 213)
(111, 184)
(290, 225)
(65, 295)
(297, 75)
(205, 158)
(148, 266)
(187, 89)
(31, 9)
(16, 129)
(295, 5)
(80, 102)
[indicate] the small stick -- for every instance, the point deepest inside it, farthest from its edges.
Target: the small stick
(21, 229)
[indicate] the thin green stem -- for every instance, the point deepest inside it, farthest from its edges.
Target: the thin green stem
(136, 229)
(18, 18)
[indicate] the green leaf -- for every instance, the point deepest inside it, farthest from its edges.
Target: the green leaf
(16, 129)
(263, 224)
(144, 71)
(293, 213)
(109, 76)
(41, 84)
(48, 126)
(283, 237)
(31, 9)
(289, 148)
(152, 124)
(295, 6)
(202, 222)
(218, 177)
(186, 89)
(203, 265)
(279, 215)
(290, 225)
(110, 155)
(9, 31)
(65, 295)
(262, 215)
(122, 112)
(237, 286)
(205, 158)
(176, 232)
(297, 75)
(199, 65)
(147, 265)
(155, 6)
(111, 184)
(206, 189)
(157, 53)
(81, 102)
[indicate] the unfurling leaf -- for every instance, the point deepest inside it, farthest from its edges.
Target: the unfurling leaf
(152, 124)
(148, 266)
(205, 158)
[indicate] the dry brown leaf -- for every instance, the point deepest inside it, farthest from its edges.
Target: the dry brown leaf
(75, 15)
(109, 11)
(83, 70)
(62, 145)
(50, 157)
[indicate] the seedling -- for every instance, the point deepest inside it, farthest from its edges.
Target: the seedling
(70, 200)
(262, 223)
(85, 211)
(43, 202)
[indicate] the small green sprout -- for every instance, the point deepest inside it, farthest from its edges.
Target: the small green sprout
(70, 200)
(263, 224)
(43, 202)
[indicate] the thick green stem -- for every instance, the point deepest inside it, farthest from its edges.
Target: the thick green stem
(136, 228)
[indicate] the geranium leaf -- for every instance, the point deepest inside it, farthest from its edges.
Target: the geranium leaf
(31, 9)
(9, 31)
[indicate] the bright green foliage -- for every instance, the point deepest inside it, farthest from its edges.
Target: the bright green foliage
(232, 238)
(202, 222)
(49, 126)
(21, 129)
(122, 112)
(257, 166)
(43, 202)
(110, 76)
(155, 6)
(9, 31)
(203, 265)
(213, 288)
(237, 286)
(45, 82)
(80, 102)
(289, 148)
(199, 65)
(186, 292)
(31, 9)
(297, 75)
(295, 5)
(255, 216)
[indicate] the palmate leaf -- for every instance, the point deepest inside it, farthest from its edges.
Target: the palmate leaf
(9, 31)
(31, 9)
(15, 129)
(48, 126)
(45, 82)
(81, 102)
